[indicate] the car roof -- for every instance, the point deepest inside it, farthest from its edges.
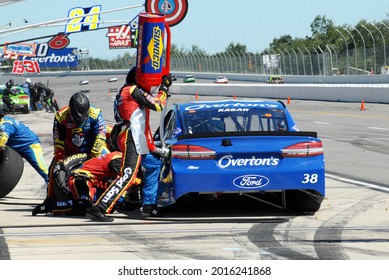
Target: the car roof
(206, 105)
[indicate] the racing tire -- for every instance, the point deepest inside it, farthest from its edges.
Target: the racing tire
(303, 200)
(70, 163)
(11, 170)
(26, 109)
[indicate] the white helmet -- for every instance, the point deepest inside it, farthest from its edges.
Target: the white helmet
(28, 80)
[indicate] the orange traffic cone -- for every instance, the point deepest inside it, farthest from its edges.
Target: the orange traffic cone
(362, 106)
(234, 97)
(197, 96)
(288, 99)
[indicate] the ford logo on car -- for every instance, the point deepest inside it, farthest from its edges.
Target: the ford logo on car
(251, 181)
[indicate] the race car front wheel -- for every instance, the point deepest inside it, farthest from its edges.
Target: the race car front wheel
(11, 170)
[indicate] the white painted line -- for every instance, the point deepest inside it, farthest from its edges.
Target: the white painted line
(378, 128)
(356, 182)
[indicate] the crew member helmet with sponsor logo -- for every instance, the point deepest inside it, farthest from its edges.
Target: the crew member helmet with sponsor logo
(28, 80)
(79, 107)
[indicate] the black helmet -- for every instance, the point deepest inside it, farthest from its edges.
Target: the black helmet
(8, 84)
(130, 79)
(281, 125)
(79, 107)
(11, 82)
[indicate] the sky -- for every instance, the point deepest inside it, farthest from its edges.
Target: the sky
(209, 24)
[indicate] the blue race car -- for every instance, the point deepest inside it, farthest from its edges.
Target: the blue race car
(247, 147)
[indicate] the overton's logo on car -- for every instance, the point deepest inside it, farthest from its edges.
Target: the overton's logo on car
(251, 181)
(230, 161)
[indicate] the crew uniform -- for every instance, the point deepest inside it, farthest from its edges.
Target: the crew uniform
(78, 128)
(47, 94)
(6, 97)
(94, 174)
(131, 108)
(29, 88)
(19, 137)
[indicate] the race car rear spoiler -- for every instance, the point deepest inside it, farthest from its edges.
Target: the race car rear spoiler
(248, 133)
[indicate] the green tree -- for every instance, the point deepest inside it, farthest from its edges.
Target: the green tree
(321, 25)
(236, 48)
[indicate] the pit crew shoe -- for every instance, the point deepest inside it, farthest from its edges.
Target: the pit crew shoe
(149, 210)
(95, 213)
(44, 208)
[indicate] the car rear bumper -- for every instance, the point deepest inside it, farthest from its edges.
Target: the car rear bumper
(189, 177)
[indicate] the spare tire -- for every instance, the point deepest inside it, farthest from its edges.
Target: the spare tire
(11, 170)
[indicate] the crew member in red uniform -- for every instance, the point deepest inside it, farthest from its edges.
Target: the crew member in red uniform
(92, 176)
(131, 108)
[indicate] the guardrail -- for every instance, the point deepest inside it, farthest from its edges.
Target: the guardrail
(370, 89)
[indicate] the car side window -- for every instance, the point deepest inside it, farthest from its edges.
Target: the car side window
(169, 124)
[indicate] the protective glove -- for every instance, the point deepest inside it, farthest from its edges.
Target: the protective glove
(58, 166)
(162, 152)
(59, 174)
(166, 83)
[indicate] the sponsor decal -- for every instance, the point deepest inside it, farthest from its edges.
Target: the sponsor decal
(226, 107)
(113, 191)
(251, 181)
(73, 157)
(56, 58)
(121, 36)
(19, 49)
(193, 167)
(117, 187)
(174, 10)
(155, 48)
(229, 161)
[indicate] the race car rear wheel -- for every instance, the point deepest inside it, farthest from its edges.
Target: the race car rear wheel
(303, 200)
(11, 170)
(26, 109)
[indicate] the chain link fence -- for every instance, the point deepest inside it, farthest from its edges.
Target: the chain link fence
(288, 62)
(329, 62)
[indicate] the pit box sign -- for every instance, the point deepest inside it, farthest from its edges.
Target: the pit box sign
(121, 37)
(21, 67)
(83, 19)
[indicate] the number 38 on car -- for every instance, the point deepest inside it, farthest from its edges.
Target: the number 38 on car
(248, 147)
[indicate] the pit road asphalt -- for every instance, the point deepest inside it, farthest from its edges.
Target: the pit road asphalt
(353, 222)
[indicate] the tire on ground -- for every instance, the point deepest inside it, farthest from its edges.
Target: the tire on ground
(303, 200)
(11, 170)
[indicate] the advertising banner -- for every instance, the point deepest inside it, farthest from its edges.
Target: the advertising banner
(62, 58)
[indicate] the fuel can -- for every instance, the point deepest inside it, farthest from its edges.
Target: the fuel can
(153, 50)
